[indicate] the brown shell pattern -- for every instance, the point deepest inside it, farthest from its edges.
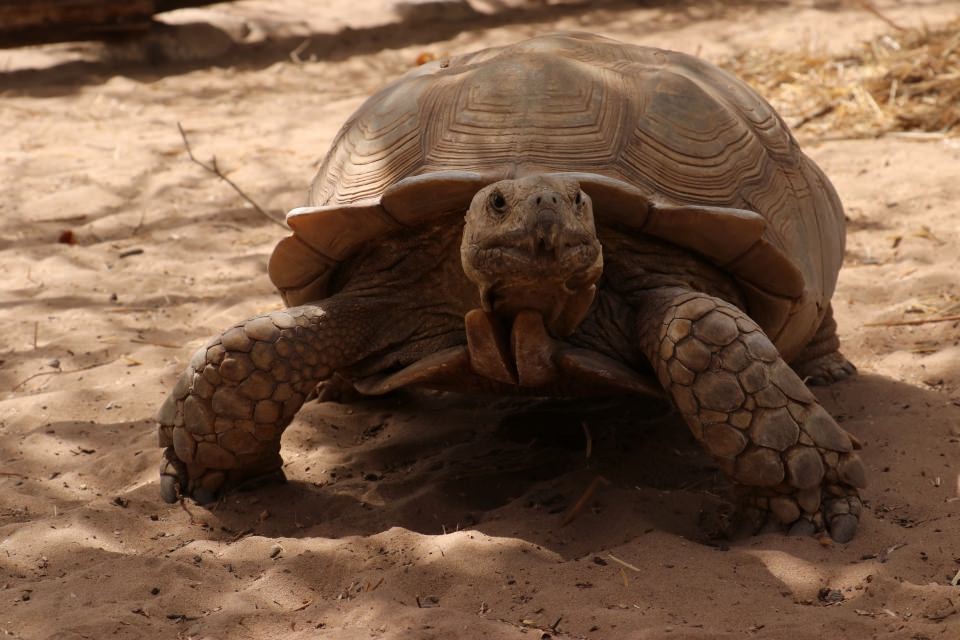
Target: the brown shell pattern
(675, 127)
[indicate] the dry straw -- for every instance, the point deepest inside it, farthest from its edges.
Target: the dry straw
(906, 83)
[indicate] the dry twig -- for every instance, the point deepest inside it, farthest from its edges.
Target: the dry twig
(213, 168)
(905, 84)
(624, 563)
(867, 5)
(157, 343)
(303, 606)
(903, 323)
(57, 371)
(584, 499)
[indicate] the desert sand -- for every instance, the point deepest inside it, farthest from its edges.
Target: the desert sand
(422, 515)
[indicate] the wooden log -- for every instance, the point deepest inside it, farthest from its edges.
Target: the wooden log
(25, 22)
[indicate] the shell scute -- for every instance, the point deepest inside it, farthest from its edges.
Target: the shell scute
(298, 271)
(338, 233)
(664, 143)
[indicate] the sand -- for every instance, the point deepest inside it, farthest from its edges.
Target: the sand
(420, 515)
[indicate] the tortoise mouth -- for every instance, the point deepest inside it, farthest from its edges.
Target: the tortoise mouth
(563, 298)
(542, 257)
(507, 298)
(519, 257)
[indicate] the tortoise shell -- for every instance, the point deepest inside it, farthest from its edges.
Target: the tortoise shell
(664, 143)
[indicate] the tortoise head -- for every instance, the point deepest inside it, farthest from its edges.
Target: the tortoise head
(531, 243)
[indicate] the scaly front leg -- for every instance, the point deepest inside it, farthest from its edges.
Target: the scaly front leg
(221, 425)
(750, 410)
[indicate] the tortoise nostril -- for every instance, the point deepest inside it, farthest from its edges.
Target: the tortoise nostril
(553, 199)
(539, 199)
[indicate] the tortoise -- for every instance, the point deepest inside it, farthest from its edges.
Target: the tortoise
(564, 216)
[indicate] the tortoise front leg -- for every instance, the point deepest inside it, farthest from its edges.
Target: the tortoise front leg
(221, 424)
(752, 413)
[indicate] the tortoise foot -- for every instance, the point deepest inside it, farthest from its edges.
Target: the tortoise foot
(754, 415)
(221, 424)
(825, 369)
(799, 514)
(173, 477)
(206, 486)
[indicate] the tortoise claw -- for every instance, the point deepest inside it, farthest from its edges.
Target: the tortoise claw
(802, 528)
(740, 520)
(751, 522)
(842, 527)
(826, 369)
(169, 488)
(837, 516)
(173, 476)
(208, 485)
(841, 516)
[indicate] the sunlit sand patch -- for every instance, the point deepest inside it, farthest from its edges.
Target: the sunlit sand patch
(806, 579)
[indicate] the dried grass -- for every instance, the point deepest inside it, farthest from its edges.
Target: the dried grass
(907, 81)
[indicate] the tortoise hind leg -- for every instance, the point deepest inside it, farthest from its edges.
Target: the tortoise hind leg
(751, 412)
(337, 389)
(821, 362)
(221, 425)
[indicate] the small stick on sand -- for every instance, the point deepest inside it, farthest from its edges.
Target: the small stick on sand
(136, 229)
(183, 505)
(584, 499)
(165, 345)
(51, 373)
(589, 437)
(215, 170)
(921, 136)
(626, 564)
(295, 54)
(810, 117)
(902, 323)
(303, 606)
(872, 9)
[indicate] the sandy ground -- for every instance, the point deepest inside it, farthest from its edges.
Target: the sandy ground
(419, 515)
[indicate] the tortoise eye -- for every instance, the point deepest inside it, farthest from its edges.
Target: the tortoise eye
(498, 202)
